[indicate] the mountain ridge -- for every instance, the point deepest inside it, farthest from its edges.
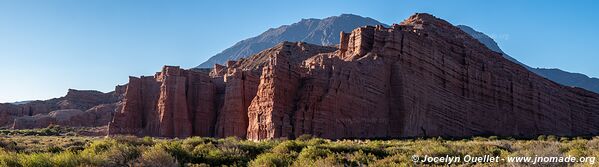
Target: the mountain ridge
(315, 31)
(554, 74)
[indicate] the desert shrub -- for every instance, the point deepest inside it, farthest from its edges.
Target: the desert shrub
(8, 159)
(228, 151)
(288, 146)
(66, 159)
(551, 138)
(332, 159)
(9, 145)
(350, 147)
(132, 140)
(148, 139)
(542, 138)
(230, 156)
(203, 150)
(54, 149)
(479, 149)
(194, 141)
(312, 152)
(394, 150)
(35, 159)
(272, 159)
(175, 149)
(537, 148)
(394, 160)
(100, 145)
(435, 149)
(479, 138)
(593, 144)
(304, 137)
(576, 148)
(120, 155)
(253, 149)
(75, 148)
(316, 141)
(52, 130)
(156, 157)
(359, 158)
(109, 152)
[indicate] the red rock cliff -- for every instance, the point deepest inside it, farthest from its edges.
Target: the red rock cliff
(423, 77)
(173, 103)
(11, 114)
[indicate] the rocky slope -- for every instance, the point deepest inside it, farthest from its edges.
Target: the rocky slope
(316, 31)
(412, 79)
(557, 75)
(67, 110)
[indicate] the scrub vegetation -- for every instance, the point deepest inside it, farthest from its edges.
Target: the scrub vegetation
(72, 150)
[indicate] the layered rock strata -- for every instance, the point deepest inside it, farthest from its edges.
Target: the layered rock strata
(80, 100)
(423, 77)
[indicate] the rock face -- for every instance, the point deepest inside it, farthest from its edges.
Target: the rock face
(556, 75)
(173, 103)
(99, 115)
(80, 100)
(181, 103)
(423, 77)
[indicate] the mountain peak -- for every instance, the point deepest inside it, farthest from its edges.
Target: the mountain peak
(315, 31)
(424, 19)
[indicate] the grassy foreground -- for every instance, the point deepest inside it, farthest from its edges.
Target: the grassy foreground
(26, 150)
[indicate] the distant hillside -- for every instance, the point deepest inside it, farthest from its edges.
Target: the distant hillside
(556, 75)
(316, 31)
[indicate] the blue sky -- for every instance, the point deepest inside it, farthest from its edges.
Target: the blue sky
(49, 46)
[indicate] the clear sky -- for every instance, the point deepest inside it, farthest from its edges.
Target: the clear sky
(48, 46)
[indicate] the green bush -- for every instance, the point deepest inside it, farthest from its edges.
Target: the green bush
(54, 149)
(272, 160)
(175, 148)
(288, 146)
(304, 137)
(66, 159)
(132, 140)
(156, 157)
(9, 145)
(8, 159)
(109, 152)
(435, 149)
(359, 158)
(312, 153)
(120, 155)
(35, 159)
(551, 138)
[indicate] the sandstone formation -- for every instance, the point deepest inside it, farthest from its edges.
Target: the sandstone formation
(40, 113)
(423, 77)
(181, 103)
(99, 115)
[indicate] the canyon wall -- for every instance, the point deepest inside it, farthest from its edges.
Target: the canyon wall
(423, 77)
